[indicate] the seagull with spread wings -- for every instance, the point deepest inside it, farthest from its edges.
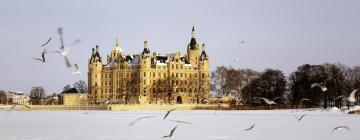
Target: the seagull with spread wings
(140, 119)
(171, 133)
(250, 128)
(339, 128)
(167, 113)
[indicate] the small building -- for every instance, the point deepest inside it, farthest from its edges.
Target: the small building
(11, 97)
(72, 97)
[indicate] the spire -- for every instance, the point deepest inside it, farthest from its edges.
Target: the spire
(203, 47)
(145, 44)
(97, 48)
(117, 42)
(193, 32)
(193, 44)
(146, 49)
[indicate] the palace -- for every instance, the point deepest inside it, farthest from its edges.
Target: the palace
(149, 77)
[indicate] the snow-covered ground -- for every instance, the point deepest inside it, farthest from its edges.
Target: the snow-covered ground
(207, 124)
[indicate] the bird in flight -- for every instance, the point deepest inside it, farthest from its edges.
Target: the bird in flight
(301, 117)
(250, 128)
(111, 64)
(167, 113)
(339, 128)
(63, 51)
(181, 122)
(141, 118)
(171, 133)
(16, 105)
(323, 88)
(267, 101)
(351, 97)
(303, 100)
(47, 42)
(77, 69)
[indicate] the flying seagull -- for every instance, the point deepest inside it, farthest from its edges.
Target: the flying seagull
(323, 88)
(340, 128)
(141, 118)
(181, 122)
(63, 51)
(301, 117)
(250, 128)
(351, 98)
(47, 42)
(167, 113)
(111, 64)
(16, 105)
(339, 97)
(267, 101)
(77, 69)
(171, 133)
(303, 100)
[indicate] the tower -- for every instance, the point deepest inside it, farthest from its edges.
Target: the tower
(94, 76)
(145, 70)
(193, 50)
(204, 75)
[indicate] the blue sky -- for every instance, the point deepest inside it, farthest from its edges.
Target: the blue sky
(281, 34)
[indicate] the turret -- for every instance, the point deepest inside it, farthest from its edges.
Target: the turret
(193, 49)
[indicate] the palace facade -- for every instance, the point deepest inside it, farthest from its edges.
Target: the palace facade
(149, 77)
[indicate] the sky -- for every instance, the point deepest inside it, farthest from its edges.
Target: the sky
(279, 34)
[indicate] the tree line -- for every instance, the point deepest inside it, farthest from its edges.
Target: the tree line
(246, 84)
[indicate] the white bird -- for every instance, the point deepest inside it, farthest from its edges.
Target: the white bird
(171, 133)
(16, 105)
(250, 128)
(167, 113)
(339, 97)
(351, 97)
(339, 128)
(267, 101)
(141, 118)
(323, 88)
(303, 100)
(63, 51)
(181, 122)
(111, 64)
(301, 117)
(77, 70)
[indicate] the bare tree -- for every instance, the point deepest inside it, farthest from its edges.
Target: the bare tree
(80, 86)
(36, 95)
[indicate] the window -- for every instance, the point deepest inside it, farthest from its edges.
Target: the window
(172, 66)
(153, 74)
(185, 75)
(181, 74)
(177, 75)
(177, 66)
(144, 74)
(181, 66)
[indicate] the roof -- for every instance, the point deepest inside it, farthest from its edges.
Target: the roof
(193, 43)
(71, 90)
